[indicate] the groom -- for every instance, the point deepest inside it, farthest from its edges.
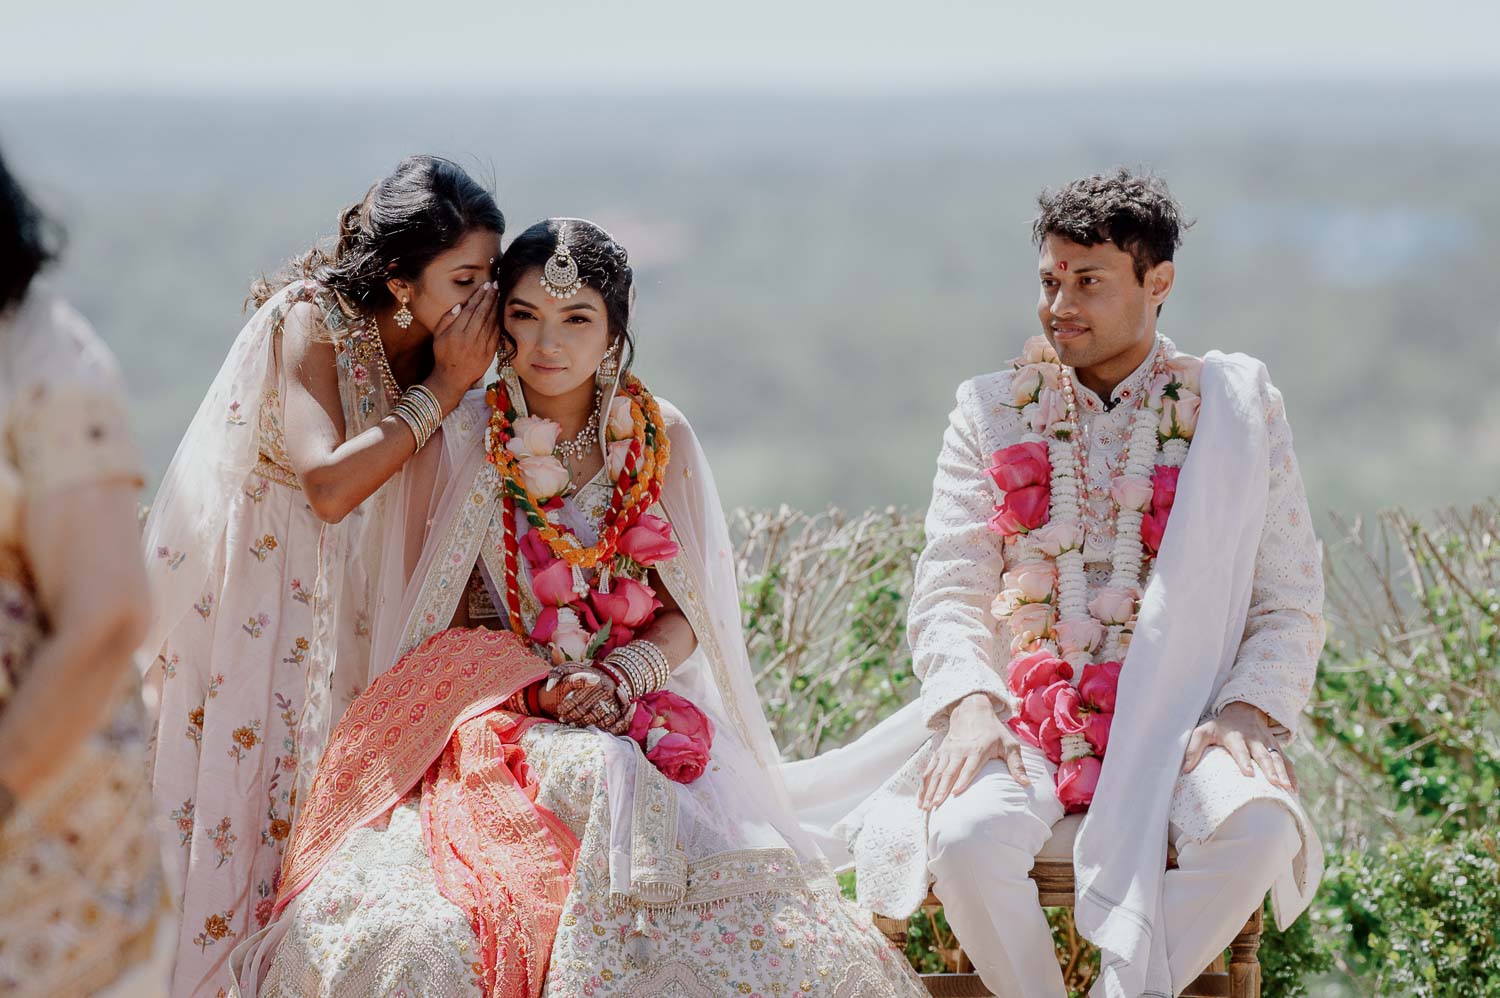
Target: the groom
(1038, 577)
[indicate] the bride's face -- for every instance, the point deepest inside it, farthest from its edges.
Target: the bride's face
(559, 342)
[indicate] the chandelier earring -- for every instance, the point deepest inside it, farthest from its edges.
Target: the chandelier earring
(403, 315)
(609, 368)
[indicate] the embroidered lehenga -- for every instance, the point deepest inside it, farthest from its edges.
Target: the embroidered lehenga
(453, 846)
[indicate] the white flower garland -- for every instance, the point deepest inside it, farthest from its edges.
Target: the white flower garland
(1145, 449)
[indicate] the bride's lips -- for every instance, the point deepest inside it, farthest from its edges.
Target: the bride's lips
(548, 368)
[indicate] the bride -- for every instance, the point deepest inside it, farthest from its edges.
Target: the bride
(485, 820)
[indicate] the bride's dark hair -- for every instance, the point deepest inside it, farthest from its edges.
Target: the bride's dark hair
(603, 265)
(426, 206)
(28, 240)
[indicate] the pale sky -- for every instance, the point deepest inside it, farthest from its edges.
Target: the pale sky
(275, 46)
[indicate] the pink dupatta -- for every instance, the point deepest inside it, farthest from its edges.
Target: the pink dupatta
(497, 854)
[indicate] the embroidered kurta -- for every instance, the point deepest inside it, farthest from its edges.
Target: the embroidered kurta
(960, 648)
(80, 878)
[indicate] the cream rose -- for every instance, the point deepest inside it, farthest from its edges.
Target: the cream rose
(1038, 351)
(545, 477)
(570, 639)
(1131, 491)
(1030, 379)
(1035, 580)
(1079, 636)
(1113, 605)
(532, 436)
(621, 424)
(619, 450)
(1050, 409)
(1186, 371)
(1059, 536)
(1179, 418)
(1031, 618)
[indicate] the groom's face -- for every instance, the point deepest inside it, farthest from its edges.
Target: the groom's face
(1092, 306)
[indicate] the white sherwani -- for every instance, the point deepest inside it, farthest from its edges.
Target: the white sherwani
(1235, 835)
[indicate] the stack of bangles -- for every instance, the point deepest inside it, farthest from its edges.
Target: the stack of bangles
(420, 410)
(636, 668)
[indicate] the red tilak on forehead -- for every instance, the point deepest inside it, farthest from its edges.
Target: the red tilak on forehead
(1062, 265)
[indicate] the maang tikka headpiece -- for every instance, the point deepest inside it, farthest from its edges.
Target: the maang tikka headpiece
(560, 274)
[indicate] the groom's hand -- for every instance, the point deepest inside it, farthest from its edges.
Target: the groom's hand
(1245, 733)
(975, 736)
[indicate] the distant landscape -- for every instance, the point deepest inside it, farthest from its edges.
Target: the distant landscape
(817, 276)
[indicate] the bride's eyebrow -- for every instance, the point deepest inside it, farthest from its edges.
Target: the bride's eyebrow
(583, 305)
(520, 301)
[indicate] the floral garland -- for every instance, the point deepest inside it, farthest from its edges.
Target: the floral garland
(1056, 631)
(581, 622)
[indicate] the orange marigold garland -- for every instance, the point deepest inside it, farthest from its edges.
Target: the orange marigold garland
(638, 482)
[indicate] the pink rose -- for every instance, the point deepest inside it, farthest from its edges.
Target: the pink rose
(619, 450)
(1020, 465)
(621, 423)
(1029, 380)
(1021, 511)
(1131, 491)
(1067, 707)
(1153, 526)
(1179, 417)
(532, 436)
(628, 603)
(1059, 536)
(1099, 684)
(1079, 636)
(1031, 618)
(1025, 730)
(1050, 408)
(536, 550)
(1096, 730)
(1038, 351)
(676, 736)
(1035, 580)
(545, 476)
(648, 541)
(1164, 487)
(1036, 670)
(1077, 779)
(1113, 605)
(1049, 740)
(680, 758)
(1186, 371)
(553, 585)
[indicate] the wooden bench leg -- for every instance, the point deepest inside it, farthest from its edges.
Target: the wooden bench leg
(1244, 959)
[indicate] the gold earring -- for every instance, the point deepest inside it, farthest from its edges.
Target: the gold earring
(608, 370)
(403, 315)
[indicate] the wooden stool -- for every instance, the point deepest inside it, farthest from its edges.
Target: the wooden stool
(1053, 873)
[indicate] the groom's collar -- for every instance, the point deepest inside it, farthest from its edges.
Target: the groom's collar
(1132, 387)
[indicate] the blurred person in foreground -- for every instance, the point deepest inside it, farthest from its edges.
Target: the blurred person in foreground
(1118, 613)
(304, 473)
(80, 880)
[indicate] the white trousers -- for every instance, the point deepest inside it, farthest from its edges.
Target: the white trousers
(981, 845)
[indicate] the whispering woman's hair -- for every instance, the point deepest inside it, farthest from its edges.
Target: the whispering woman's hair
(603, 265)
(425, 207)
(28, 240)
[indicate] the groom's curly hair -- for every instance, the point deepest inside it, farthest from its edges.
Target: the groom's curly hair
(1135, 211)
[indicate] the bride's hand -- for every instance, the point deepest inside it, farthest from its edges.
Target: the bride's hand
(579, 695)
